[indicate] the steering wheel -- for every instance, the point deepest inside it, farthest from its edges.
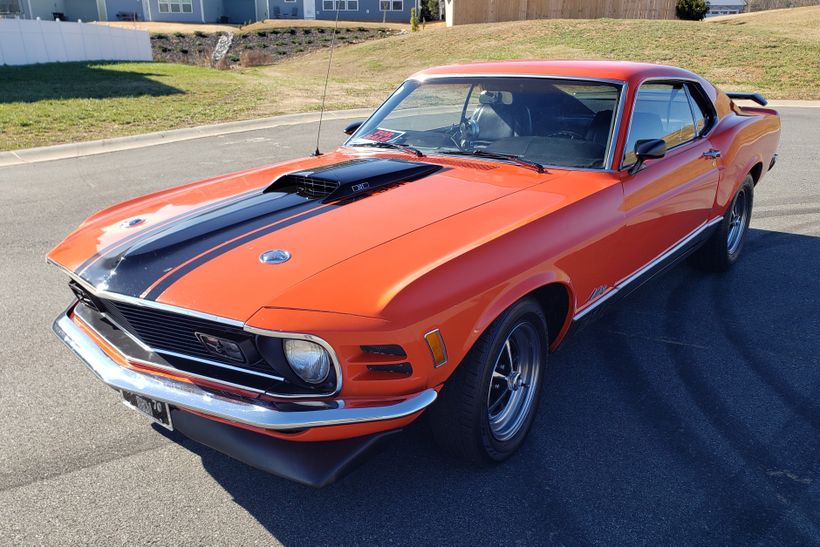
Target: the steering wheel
(567, 134)
(464, 133)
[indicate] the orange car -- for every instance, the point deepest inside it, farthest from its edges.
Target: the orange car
(294, 316)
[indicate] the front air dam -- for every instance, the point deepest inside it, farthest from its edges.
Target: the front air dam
(311, 463)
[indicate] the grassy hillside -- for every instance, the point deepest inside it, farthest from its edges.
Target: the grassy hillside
(739, 57)
(777, 53)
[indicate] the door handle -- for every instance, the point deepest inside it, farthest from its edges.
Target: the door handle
(711, 154)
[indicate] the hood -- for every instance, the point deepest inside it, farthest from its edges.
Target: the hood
(199, 247)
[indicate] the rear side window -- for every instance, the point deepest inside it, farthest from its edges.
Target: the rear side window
(662, 111)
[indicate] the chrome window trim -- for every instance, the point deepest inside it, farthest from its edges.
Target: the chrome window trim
(218, 319)
(647, 267)
(661, 79)
(612, 144)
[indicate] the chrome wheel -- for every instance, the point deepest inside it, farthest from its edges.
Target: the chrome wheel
(738, 220)
(513, 382)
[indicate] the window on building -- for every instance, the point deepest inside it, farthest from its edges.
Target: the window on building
(10, 7)
(662, 111)
(391, 5)
(342, 5)
(176, 6)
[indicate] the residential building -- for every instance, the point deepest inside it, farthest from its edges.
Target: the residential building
(726, 7)
(208, 11)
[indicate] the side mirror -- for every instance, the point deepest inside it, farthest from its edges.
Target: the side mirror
(350, 129)
(647, 149)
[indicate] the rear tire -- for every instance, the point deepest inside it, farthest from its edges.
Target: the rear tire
(723, 247)
(486, 408)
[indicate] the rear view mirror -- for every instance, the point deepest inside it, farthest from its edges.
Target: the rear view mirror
(350, 129)
(647, 149)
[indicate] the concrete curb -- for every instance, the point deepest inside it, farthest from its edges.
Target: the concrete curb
(75, 150)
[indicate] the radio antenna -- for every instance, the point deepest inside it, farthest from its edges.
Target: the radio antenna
(327, 78)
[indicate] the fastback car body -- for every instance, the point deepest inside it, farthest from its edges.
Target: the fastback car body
(294, 315)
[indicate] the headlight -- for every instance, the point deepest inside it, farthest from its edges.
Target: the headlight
(308, 360)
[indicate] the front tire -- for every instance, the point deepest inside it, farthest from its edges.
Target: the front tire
(723, 247)
(487, 407)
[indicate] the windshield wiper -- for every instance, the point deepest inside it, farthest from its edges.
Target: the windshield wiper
(497, 156)
(403, 147)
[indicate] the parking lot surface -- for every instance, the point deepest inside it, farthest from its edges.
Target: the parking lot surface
(689, 414)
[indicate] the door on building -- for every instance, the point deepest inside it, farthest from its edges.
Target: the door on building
(309, 9)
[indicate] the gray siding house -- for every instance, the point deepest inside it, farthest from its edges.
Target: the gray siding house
(725, 7)
(208, 11)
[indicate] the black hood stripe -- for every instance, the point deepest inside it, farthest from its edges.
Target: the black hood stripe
(155, 291)
(155, 228)
(133, 270)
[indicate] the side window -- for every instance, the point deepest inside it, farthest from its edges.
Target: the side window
(661, 111)
(704, 114)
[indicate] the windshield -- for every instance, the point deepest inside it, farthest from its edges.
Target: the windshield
(547, 121)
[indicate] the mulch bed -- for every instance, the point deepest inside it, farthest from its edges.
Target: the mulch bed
(255, 48)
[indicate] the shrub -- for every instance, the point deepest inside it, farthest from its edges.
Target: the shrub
(363, 29)
(164, 49)
(691, 10)
(274, 31)
(160, 36)
(261, 33)
(263, 45)
(291, 31)
(183, 50)
(179, 35)
(279, 43)
(414, 21)
(234, 59)
(321, 30)
(200, 34)
(282, 52)
(307, 30)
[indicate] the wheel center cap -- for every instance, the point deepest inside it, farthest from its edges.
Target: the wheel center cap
(514, 381)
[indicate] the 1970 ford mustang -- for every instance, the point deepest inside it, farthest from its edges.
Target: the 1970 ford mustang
(296, 315)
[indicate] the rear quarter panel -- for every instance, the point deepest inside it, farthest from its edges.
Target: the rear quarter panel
(746, 137)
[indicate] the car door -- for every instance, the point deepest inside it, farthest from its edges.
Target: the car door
(670, 198)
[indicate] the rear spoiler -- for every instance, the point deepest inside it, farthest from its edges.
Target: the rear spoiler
(756, 97)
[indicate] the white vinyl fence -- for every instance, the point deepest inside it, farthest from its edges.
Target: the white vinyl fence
(26, 42)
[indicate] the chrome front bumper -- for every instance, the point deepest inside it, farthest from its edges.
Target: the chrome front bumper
(291, 415)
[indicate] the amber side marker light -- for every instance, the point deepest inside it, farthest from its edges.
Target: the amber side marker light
(436, 344)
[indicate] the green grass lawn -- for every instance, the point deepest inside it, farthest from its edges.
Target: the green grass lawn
(71, 102)
(50, 104)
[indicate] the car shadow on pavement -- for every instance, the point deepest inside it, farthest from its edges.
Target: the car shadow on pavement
(689, 413)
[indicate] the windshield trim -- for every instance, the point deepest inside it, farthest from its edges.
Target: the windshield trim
(615, 128)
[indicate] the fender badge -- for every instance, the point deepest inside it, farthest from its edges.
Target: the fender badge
(277, 256)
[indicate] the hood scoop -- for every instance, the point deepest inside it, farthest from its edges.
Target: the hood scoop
(349, 179)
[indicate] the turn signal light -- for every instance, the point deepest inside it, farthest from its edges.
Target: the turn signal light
(436, 344)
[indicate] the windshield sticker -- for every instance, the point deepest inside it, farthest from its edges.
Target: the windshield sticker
(383, 135)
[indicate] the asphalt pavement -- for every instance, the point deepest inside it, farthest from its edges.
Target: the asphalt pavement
(690, 414)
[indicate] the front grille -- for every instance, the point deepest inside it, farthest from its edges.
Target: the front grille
(172, 332)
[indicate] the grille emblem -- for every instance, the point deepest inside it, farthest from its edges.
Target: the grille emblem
(277, 256)
(221, 347)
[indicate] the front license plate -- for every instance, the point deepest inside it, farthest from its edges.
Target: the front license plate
(156, 410)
